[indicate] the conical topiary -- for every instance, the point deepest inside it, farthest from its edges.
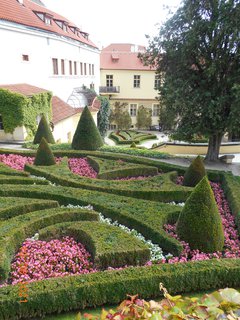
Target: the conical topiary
(195, 172)
(200, 223)
(86, 136)
(43, 131)
(44, 155)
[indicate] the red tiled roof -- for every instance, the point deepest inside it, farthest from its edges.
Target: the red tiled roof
(122, 56)
(61, 110)
(12, 10)
(23, 88)
(96, 104)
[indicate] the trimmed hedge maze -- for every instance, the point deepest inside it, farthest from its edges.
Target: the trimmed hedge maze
(130, 136)
(42, 207)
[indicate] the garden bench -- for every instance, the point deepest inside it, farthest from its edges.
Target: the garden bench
(227, 158)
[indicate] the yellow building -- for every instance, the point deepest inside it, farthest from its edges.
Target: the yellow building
(125, 79)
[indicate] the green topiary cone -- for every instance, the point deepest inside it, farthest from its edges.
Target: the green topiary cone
(44, 155)
(43, 131)
(194, 173)
(200, 223)
(86, 136)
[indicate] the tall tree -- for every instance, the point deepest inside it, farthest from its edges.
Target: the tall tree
(120, 116)
(103, 116)
(144, 118)
(197, 55)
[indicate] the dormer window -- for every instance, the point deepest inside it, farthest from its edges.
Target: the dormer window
(84, 34)
(48, 19)
(62, 24)
(64, 28)
(73, 29)
(45, 17)
(40, 15)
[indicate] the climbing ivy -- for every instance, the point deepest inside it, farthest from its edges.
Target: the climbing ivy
(18, 110)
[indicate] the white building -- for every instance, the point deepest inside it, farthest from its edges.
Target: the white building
(44, 49)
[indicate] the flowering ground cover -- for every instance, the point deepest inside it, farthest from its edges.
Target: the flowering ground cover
(15, 161)
(81, 167)
(56, 258)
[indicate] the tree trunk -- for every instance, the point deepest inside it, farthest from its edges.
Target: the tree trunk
(214, 147)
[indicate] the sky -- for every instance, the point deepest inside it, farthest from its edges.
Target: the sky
(115, 21)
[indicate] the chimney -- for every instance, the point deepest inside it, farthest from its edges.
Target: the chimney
(20, 1)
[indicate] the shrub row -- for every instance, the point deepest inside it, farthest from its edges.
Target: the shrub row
(128, 170)
(6, 179)
(14, 231)
(110, 287)
(147, 217)
(128, 137)
(159, 188)
(108, 245)
(231, 187)
(18, 206)
(121, 140)
(5, 170)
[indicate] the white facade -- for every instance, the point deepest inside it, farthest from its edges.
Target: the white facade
(27, 54)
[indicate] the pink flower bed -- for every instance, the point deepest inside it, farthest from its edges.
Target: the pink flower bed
(38, 260)
(231, 243)
(15, 161)
(78, 166)
(81, 167)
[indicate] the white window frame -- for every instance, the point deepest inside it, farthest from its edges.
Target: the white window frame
(136, 81)
(133, 107)
(156, 110)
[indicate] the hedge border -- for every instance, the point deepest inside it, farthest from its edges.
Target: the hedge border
(90, 290)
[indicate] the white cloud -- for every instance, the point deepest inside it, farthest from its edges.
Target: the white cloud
(111, 21)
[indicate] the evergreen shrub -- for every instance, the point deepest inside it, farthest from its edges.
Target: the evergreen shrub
(194, 173)
(200, 223)
(87, 135)
(43, 131)
(44, 155)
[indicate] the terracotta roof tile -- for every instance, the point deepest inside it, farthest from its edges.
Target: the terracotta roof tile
(122, 56)
(61, 110)
(12, 10)
(23, 88)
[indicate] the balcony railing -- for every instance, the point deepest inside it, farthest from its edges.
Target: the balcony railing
(109, 90)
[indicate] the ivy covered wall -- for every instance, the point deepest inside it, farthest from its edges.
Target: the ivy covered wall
(18, 110)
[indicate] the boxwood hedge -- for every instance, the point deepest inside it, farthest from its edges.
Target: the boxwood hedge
(108, 245)
(110, 287)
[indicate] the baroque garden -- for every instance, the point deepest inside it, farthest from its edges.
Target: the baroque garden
(84, 227)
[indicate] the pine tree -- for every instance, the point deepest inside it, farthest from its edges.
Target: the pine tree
(43, 131)
(86, 136)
